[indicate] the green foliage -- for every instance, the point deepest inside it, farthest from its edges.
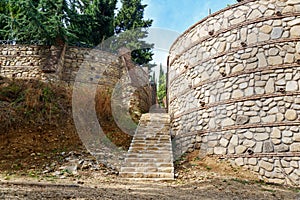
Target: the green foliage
(92, 22)
(56, 21)
(10, 93)
(88, 22)
(131, 17)
(3, 20)
(19, 20)
(161, 93)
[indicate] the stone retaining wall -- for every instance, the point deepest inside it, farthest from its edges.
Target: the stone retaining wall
(20, 61)
(234, 87)
(61, 64)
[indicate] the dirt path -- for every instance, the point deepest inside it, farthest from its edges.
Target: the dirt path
(120, 189)
(207, 178)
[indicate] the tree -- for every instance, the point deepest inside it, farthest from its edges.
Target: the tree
(161, 93)
(18, 19)
(3, 19)
(131, 17)
(153, 78)
(55, 17)
(93, 21)
(102, 13)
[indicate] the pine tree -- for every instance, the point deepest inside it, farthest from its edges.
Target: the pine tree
(131, 17)
(55, 17)
(43, 20)
(3, 18)
(102, 17)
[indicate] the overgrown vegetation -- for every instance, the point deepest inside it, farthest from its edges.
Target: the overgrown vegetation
(31, 102)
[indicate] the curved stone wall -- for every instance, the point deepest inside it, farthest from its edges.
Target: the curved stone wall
(234, 87)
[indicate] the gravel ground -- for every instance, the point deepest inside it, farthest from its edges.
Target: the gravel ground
(97, 186)
(208, 178)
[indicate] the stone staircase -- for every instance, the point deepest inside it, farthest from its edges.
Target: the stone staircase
(150, 154)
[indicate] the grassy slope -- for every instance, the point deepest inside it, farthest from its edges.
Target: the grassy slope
(36, 123)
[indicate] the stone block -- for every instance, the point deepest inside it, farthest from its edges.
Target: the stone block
(296, 137)
(287, 133)
(227, 122)
(269, 119)
(295, 31)
(287, 140)
(249, 143)
(276, 32)
(220, 150)
(268, 146)
(295, 147)
(291, 115)
(293, 2)
(248, 135)
(291, 86)
(275, 60)
(266, 165)
(258, 147)
(261, 136)
(234, 140)
(224, 142)
(240, 149)
(276, 133)
(252, 161)
(281, 148)
(294, 164)
(270, 86)
(239, 161)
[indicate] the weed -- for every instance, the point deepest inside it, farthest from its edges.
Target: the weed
(33, 174)
(244, 182)
(197, 159)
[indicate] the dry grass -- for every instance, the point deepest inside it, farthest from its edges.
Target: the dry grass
(103, 103)
(105, 117)
(31, 102)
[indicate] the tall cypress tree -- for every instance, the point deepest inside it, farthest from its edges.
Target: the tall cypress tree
(161, 93)
(131, 17)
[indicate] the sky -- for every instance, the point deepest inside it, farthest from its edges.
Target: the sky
(178, 16)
